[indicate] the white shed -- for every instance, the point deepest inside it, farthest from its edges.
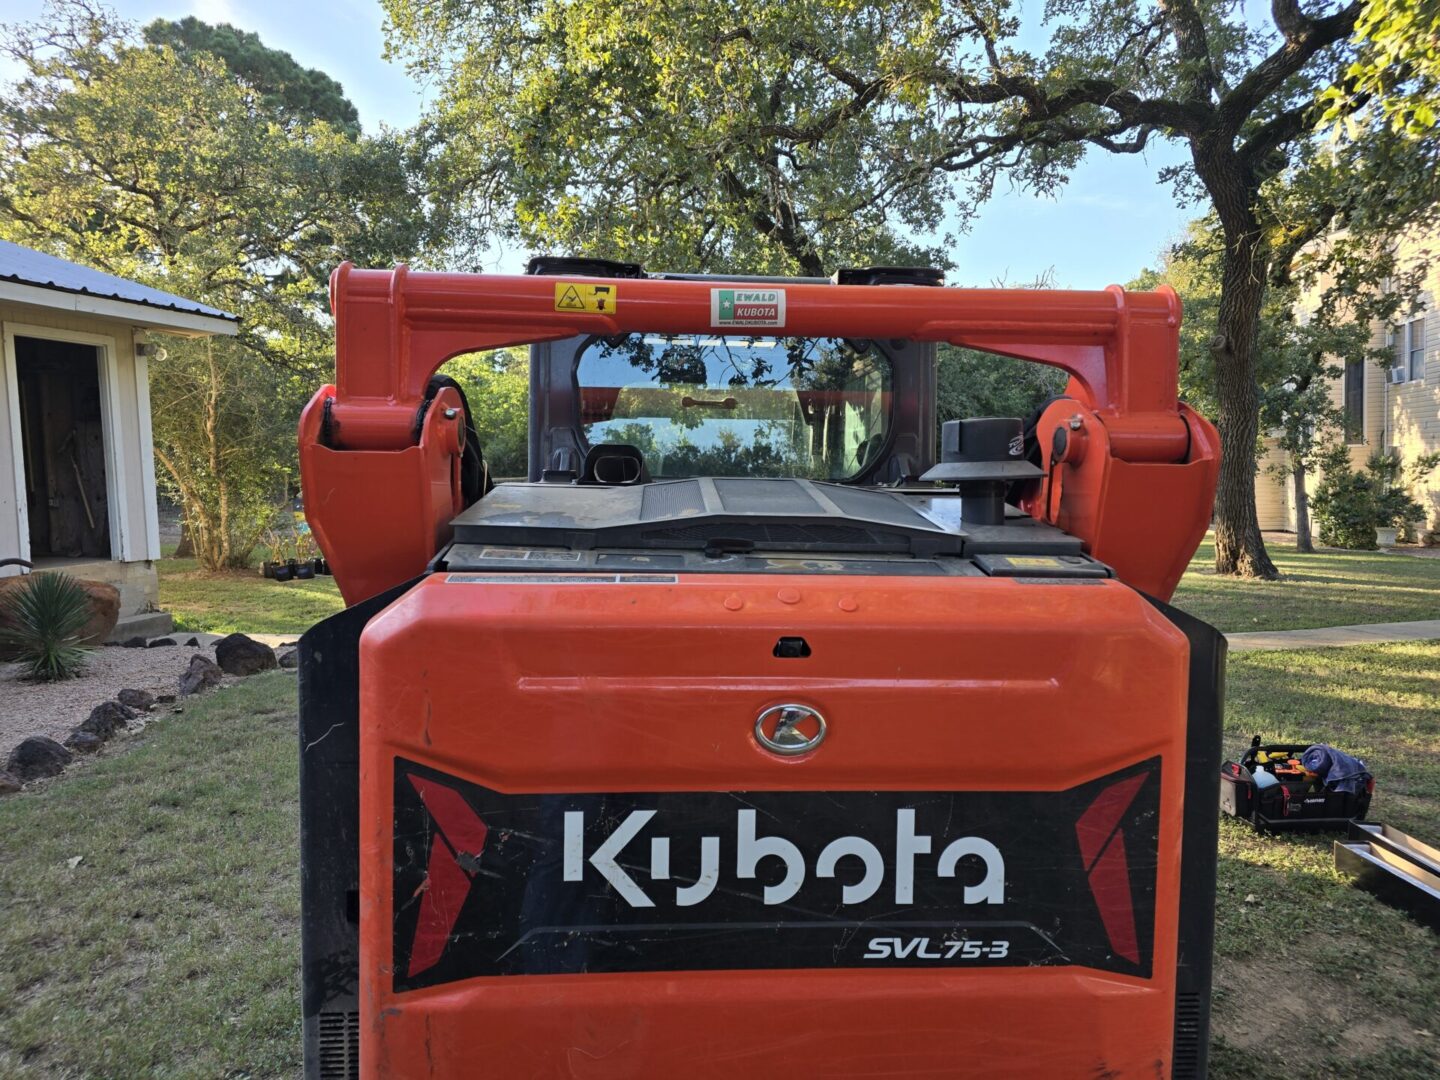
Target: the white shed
(77, 464)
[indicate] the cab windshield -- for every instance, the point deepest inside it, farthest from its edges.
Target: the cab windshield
(817, 408)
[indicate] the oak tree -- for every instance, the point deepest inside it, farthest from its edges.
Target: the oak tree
(166, 167)
(763, 135)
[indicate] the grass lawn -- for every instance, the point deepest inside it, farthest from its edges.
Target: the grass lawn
(1315, 977)
(1331, 588)
(242, 600)
(1325, 589)
(172, 949)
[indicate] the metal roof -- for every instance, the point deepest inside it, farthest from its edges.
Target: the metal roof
(32, 268)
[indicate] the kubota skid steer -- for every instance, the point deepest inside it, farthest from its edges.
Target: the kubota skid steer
(745, 737)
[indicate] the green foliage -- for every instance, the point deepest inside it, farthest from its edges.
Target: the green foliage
(1344, 504)
(46, 615)
(772, 137)
(161, 164)
(971, 383)
(1317, 309)
(497, 387)
(1316, 313)
(1398, 66)
(1350, 505)
(1389, 479)
(305, 94)
(225, 438)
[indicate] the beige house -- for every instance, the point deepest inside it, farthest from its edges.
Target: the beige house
(1396, 410)
(77, 465)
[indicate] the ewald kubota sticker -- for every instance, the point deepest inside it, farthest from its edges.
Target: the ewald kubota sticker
(491, 883)
(747, 307)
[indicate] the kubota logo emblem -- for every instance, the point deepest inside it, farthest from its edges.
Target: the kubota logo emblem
(751, 849)
(789, 730)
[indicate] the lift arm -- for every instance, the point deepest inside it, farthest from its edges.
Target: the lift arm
(1130, 470)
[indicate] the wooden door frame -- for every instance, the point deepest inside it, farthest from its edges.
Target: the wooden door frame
(110, 426)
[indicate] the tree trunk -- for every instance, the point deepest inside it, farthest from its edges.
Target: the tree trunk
(1239, 547)
(1302, 508)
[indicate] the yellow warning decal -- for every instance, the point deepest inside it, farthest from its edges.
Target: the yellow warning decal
(583, 296)
(1046, 561)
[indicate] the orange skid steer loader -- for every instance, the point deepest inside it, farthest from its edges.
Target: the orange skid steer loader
(758, 731)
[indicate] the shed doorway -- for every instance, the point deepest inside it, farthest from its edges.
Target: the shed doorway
(62, 435)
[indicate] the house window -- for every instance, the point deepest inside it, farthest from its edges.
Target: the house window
(1415, 334)
(1355, 401)
(1409, 351)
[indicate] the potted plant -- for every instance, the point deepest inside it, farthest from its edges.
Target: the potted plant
(270, 551)
(304, 554)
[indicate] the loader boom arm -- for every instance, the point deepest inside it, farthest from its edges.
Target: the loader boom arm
(1131, 472)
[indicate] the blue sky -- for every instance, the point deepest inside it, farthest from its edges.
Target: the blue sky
(1112, 219)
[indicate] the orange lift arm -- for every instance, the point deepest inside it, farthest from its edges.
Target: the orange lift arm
(1130, 469)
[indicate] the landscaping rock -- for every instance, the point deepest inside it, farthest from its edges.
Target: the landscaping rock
(201, 675)
(83, 742)
(194, 642)
(8, 784)
(134, 643)
(106, 719)
(240, 655)
(164, 699)
(38, 757)
(104, 609)
(139, 700)
(290, 659)
(160, 641)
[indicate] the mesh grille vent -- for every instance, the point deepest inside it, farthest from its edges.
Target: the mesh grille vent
(339, 1046)
(671, 500)
(1187, 1037)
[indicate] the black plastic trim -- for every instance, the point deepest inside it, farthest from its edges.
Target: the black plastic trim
(564, 265)
(330, 831)
(927, 276)
(1200, 838)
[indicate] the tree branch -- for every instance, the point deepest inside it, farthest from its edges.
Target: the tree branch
(1193, 46)
(1310, 36)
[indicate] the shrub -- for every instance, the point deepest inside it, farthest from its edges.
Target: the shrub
(46, 617)
(1349, 506)
(1344, 503)
(1393, 502)
(1345, 511)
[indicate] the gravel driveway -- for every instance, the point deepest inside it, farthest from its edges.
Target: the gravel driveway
(39, 708)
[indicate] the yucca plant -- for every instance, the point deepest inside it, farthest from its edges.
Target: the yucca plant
(45, 617)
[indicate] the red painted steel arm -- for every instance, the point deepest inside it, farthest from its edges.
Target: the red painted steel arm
(394, 328)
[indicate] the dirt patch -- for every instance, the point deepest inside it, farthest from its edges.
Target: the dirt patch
(1256, 1010)
(36, 708)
